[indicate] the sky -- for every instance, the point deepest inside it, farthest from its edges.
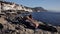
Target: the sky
(46, 4)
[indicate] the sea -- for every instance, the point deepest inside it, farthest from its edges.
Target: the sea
(52, 18)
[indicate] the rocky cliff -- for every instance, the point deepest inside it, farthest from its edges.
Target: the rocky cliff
(13, 6)
(10, 25)
(38, 9)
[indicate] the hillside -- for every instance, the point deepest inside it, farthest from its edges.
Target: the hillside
(13, 6)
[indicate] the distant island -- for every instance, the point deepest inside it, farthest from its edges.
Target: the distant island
(13, 6)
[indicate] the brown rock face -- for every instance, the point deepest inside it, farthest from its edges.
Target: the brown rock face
(13, 6)
(18, 28)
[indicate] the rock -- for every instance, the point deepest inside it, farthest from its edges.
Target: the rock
(20, 29)
(29, 31)
(1, 26)
(13, 6)
(8, 27)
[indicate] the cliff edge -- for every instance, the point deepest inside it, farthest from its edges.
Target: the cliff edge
(13, 6)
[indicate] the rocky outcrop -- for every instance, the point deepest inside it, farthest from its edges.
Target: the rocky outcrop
(38, 9)
(13, 6)
(10, 25)
(9, 28)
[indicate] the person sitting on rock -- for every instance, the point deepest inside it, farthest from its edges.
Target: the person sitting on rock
(40, 26)
(32, 21)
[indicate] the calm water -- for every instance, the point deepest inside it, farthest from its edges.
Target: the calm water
(48, 17)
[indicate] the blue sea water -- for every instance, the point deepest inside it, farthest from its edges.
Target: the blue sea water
(47, 17)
